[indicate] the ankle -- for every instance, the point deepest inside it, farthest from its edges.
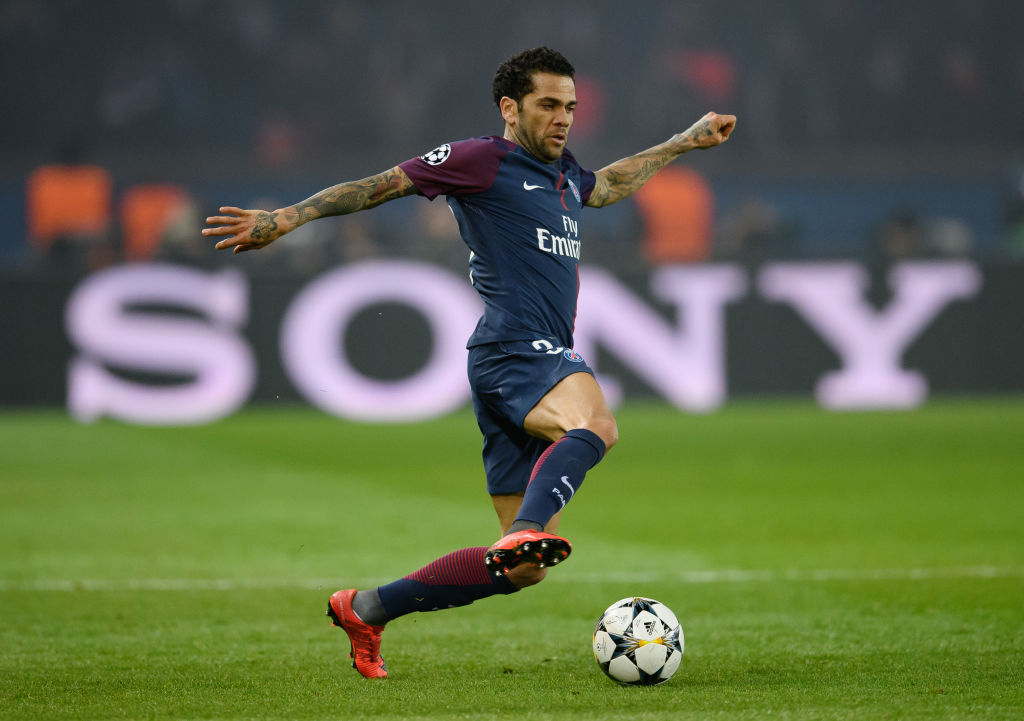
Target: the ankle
(368, 607)
(524, 525)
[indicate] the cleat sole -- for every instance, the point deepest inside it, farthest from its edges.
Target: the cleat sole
(545, 553)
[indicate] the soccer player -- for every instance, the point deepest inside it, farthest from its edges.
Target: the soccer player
(545, 422)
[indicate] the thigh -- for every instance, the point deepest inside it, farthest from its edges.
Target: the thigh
(575, 402)
(511, 378)
(508, 380)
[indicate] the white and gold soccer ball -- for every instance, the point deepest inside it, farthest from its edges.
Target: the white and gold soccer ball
(638, 641)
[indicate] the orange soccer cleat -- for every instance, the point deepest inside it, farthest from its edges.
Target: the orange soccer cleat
(534, 547)
(364, 638)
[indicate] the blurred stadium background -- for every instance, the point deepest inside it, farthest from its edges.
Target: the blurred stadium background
(877, 142)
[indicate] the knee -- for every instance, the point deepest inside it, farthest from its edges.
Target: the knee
(607, 430)
(613, 436)
(526, 575)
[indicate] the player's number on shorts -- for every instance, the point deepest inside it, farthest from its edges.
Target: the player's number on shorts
(547, 347)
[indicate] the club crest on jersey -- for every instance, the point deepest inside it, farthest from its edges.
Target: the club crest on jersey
(440, 154)
(572, 355)
(575, 190)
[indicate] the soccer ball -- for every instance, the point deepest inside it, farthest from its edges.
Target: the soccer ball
(638, 641)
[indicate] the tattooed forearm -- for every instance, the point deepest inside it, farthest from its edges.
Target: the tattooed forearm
(255, 229)
(624, 177)
(354, 196)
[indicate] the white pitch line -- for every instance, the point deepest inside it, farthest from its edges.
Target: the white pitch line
(708, 576)
(822, 574)
(165, 584)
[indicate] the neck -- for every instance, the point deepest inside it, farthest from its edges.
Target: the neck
(510, 134)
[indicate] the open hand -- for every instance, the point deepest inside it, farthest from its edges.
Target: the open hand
(246, 229)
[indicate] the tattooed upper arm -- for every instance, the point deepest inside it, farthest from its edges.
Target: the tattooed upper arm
(392, 184)
(599, 194)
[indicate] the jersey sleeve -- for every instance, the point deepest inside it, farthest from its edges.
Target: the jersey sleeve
(587, 182)
(587, 178)
(459, 168)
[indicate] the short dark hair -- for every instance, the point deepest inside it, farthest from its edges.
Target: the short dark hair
(514, 79)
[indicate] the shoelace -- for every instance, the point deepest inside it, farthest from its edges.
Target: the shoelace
(368, 650)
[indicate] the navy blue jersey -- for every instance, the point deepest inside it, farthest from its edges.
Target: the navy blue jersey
(520, 218)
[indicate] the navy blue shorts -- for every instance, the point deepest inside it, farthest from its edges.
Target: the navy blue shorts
(508, 379)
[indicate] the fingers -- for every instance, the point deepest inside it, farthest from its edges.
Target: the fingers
(727, 126)
(229, 243)
(233, 232)
(237, 216)
(725, 123)
(233, 224)
(236, 236)
(223, 219)
(711, 130)
(208, 232)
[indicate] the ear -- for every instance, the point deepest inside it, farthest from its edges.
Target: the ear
(509, 110)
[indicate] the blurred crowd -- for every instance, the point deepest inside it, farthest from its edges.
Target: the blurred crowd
(194, 92)
(289, 79)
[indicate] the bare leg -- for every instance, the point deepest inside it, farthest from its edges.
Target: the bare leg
(575, 402)
(507, 506)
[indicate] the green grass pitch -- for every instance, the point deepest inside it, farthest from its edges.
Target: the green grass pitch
(824, 566)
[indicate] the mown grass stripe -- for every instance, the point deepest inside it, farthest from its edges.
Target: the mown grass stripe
(708, 577)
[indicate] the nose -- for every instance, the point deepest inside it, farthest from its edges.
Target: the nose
(563, 117)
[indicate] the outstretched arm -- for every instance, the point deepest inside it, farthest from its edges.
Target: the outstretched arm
(624, 177)
(255, 229)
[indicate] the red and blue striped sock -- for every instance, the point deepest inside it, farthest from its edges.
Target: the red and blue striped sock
(456, 579)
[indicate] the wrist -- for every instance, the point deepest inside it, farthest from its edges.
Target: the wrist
(288, 219)
(682, 143)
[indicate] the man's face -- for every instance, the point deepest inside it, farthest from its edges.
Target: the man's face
(541, 122)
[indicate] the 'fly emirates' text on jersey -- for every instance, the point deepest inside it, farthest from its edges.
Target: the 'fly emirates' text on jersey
(520, 218)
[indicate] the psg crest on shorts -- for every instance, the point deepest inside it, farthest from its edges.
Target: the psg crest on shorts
(438, 155)
(572, 355)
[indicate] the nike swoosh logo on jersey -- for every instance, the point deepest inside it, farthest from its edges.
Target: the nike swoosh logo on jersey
(527, 186)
